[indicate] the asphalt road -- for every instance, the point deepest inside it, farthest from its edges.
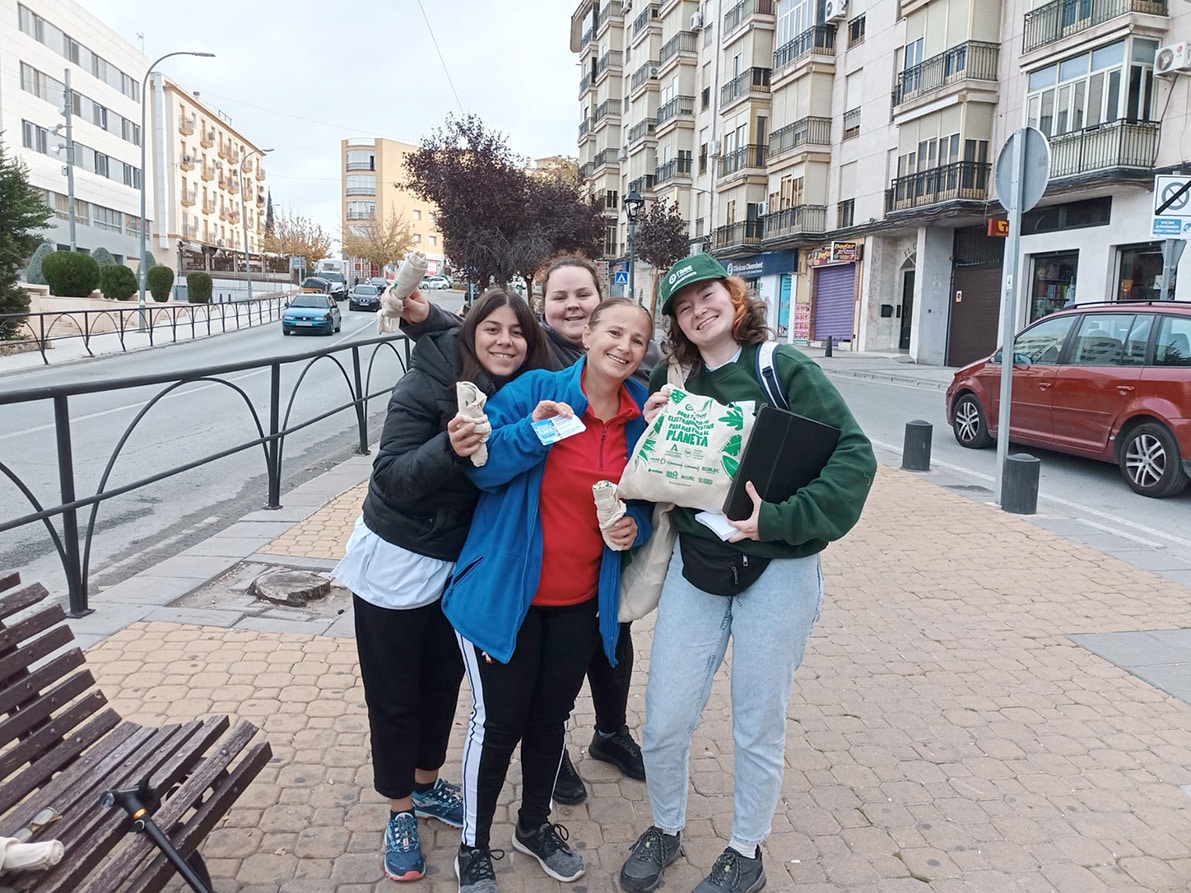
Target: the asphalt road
(139, 529)
(1093, 492)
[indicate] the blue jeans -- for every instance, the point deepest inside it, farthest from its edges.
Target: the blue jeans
(769, 624)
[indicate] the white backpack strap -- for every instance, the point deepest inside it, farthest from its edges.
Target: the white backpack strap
(767, 375)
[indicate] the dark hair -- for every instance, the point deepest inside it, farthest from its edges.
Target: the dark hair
(748, 324)
(558, 261)
(537, 354)
(609, 303)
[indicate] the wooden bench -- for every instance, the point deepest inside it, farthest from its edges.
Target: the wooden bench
(61, 749)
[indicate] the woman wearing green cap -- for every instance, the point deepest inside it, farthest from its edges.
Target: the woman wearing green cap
(774, 588)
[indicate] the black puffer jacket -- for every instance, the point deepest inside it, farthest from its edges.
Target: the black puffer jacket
(419, 497)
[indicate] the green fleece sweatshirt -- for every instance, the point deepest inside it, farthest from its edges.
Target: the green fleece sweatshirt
(827, 507)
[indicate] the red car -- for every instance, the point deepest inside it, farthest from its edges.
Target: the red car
(1106, 381)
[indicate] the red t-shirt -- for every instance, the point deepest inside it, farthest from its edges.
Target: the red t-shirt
(572, 546)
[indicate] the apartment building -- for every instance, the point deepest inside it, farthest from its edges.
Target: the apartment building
(372, 173)
(209, 207)
(840, 154)
(45, 44)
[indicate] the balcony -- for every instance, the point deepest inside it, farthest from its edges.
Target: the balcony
(361, 215)
(189, 197)
(642, 130)
(643, 184)
(187, 163)
(361, 190)
(208, 205)
(682, 42)
(816, 41)
(207, 138)
(604, 109)
(224, 149)
(959, 181)
(186, 125)
(208, 171)
(586, 170)
(586, 82)
(799, 220)
(678, 107)
(740, 14)
(585, 41)
(648, 16)
(739, 235)
(233, 154)
(260, 171)
(584, 128)
(605, 157)
(611, 12)
(851, 123)
(1060, 18)
(233, 183)
(743, 159)
(611, 59)
(361, 165)
(753, 80)
(646, 74)
(1115, 146)
(803, 132)
(973, 60)
(675, 167)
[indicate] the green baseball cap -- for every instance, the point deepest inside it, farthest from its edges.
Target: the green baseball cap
(689, 270)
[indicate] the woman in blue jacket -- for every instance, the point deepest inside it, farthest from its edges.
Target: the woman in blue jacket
(536, 588)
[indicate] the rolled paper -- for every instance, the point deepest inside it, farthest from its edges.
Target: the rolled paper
(17, 856)
(609, 509)
(471, 406)
(409, 277)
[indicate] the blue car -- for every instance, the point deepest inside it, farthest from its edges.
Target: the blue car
(311, 313)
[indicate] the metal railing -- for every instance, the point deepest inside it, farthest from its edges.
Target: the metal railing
(682, 42)
(610, 59)
(1117, 144)
(819, 40)
(675, 167)
(584, 127)
(272, 424)
(641, 130)
(804, 131)
(678, 107)
(739, 14)
(43, 329)
(643, 183)
(643, 76)
(649, 14)
(974, 59)
(743, 158)
(960, 180)
(795, 221)
(754, 80)
(1056, 20)
(739, 235)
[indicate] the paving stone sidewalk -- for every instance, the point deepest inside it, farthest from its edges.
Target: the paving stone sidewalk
(945, 734)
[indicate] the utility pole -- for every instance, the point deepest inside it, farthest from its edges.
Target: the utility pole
(67, 111)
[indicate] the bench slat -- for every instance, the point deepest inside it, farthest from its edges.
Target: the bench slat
(8, 581)
(36, 726)
(38, 680)
(14, 665)
(28, 627)
(18, 601)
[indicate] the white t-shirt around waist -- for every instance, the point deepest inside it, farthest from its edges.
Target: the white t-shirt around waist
(389, 576)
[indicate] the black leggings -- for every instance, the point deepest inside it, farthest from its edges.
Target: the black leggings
(527, 700)
(610, 684)
(411, 670)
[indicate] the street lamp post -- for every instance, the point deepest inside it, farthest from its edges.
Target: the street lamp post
(144, 140)
(633, 203)
(244, 216)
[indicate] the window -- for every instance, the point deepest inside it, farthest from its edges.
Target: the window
(1100, 340)
(794, 17)
(846, 213)
(1042, 343)
(856, 31)
(360, 160)
(434, 241)
(1173, 346)
(1054, 282)
(417, 215)
(361, 185)
(34, 137)
(51, 36)
(361, 210)
(417, 239)
(107, 219)
(1093, 88)
(52, 90)
(1141, 272)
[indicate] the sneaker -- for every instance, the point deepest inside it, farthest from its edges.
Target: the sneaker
(547, 844)
(568, 786)
(620, 750)
(444, 802)
(734, 873)
(652, 852)
(473, 867)
(403, 852)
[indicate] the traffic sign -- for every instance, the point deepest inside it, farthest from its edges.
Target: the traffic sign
(1172, 206)
(1035, 169)
(622, 277)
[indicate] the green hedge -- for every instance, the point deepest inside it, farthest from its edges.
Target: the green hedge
(117, 282)
(70, 274)
(160, 279)
(198, 287)
(33, 274)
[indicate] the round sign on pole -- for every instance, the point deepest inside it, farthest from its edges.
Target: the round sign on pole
(1035, 168)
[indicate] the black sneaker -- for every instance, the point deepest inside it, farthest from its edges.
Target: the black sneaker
(652, 852)
(473, 867)
(620, 750)
(568, 786)
(548, 844)
(734, 873)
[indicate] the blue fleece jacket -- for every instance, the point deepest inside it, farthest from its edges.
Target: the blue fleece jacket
(496, 576)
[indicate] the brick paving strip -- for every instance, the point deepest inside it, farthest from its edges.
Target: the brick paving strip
(945, 734)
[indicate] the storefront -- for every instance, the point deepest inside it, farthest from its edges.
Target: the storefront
(1052, 284)
(834, 296)
(770, 276)
(1140, 276)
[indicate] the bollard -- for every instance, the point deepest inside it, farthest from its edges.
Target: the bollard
(1019, 484)
(827, 347)
(916, 446)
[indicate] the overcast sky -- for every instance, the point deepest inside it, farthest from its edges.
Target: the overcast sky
(298, 76)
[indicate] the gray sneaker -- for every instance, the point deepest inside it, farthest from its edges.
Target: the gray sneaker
(547, 844)
(653, 851)
(473, 867)
(734, 873)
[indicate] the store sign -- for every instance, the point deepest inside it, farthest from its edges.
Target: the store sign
(802, 323)
(835, 253)
(772, 263)
(999, 227)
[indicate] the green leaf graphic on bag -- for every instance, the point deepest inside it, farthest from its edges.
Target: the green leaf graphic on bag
(732, 447)
(730, 465)
(734, 417)
(677, 395)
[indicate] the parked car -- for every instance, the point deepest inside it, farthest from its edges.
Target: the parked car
(1106, 381)
(364, 297)
(311, 312)
(315, 285)
(436, 282)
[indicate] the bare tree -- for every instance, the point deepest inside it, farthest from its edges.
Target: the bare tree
(380, 242)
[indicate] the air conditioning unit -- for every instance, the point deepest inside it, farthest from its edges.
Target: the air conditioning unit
(762, 208)
(1172, 59)
(626, 6)
(623, 154)
(835, 10)
(715, 149)
(653, 72)
(696, 21)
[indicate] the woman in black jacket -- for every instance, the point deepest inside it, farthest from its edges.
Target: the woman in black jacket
(403, 548)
